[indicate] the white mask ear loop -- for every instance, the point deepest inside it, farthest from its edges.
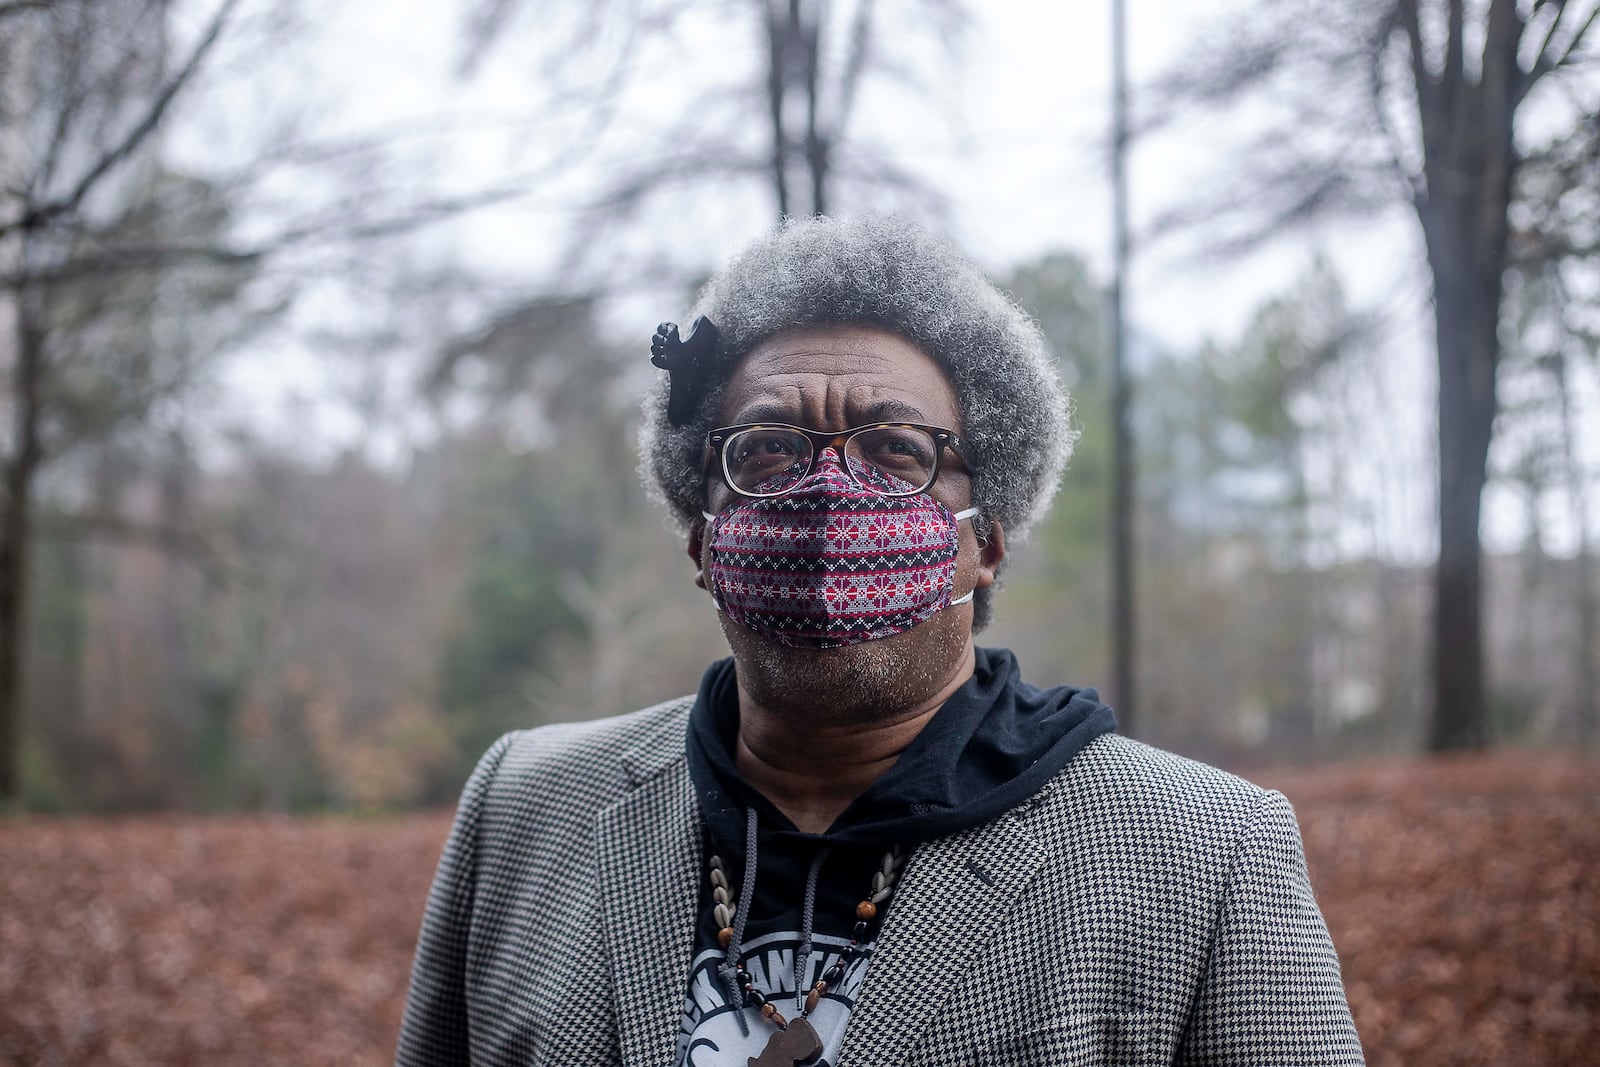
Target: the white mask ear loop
(965, 513)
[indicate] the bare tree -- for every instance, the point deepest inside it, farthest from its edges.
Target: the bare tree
(86, 87)
(110, 260)
(1556, 345)
(813, 61)
(1559, 201)
(1426, 103)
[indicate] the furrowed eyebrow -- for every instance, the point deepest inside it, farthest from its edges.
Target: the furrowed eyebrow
(887, 410)
(765, 413)
(893, 411)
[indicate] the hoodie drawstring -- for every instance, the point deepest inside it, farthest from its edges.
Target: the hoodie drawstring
(736, 981)
(729, 969)
(808, 913)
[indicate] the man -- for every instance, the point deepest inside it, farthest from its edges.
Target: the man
(864, 841)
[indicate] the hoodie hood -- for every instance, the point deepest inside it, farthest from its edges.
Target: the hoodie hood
(994, 743)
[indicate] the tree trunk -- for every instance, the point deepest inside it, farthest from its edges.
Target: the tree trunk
(794, 61)
(1466, 418)
(16, 515)
(777, 52)
(1469, 163)
(816, 144)
(1124, 493)
(1586, 711)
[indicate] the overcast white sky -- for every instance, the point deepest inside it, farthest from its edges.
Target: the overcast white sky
(1024, 171)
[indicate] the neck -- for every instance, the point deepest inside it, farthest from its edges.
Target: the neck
(812, 770)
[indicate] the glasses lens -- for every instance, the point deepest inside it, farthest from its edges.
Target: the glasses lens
(903, 454)
(766, 461)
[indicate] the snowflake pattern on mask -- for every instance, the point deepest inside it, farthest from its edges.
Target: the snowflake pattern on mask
(833, 563)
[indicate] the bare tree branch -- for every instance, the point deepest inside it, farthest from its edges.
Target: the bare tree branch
(119, 152)
(817, 142)
(1544, 61)
(1283, 200)
(373, 140)
(126, 258)
(1427, 91)
(777, 64)
(186, 545)
(1415, 185)
(76, 94)
(855, 61)
(1569, 52)
(22, 7)
(483, 25)
(1454, 51)
(1549, 32)
(626, 195)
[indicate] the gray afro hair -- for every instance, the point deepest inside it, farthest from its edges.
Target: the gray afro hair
(890, 273)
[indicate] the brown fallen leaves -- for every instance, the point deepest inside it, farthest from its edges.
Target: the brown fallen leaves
(179, 940)
(1464, 897)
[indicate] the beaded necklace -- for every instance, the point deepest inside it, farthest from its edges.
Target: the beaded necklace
(796, 1041)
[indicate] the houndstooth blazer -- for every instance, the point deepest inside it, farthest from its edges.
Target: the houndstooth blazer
(1140, 909)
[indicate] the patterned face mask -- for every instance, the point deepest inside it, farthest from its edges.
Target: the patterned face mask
(831, 563)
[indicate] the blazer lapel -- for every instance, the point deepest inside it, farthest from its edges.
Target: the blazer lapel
(649, 848)
(952, 896)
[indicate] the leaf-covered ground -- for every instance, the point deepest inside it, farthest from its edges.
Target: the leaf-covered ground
(1464, 897)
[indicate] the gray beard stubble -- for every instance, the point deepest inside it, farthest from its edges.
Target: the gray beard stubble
(853, 685)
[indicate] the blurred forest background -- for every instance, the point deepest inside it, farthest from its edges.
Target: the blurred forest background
(215, 598)
(323, 329)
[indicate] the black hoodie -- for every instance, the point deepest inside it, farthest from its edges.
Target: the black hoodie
(993, 744)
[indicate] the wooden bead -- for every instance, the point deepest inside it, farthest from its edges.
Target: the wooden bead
(725, 937)
(866, 911)
(774, 1016)
(814, 996)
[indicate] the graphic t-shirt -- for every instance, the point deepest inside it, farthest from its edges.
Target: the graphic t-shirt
(709, 1034)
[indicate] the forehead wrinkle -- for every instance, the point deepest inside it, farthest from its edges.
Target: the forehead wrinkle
(772, 402)
(838, 378)
(857, 409)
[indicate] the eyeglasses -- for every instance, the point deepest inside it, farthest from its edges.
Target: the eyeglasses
(764, 459)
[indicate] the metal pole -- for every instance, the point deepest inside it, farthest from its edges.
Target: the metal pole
(1122, 533)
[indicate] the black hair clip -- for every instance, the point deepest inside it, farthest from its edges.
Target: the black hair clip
(686, 361)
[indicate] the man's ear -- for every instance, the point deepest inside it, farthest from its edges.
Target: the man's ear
(991, 553)
(697, 534)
